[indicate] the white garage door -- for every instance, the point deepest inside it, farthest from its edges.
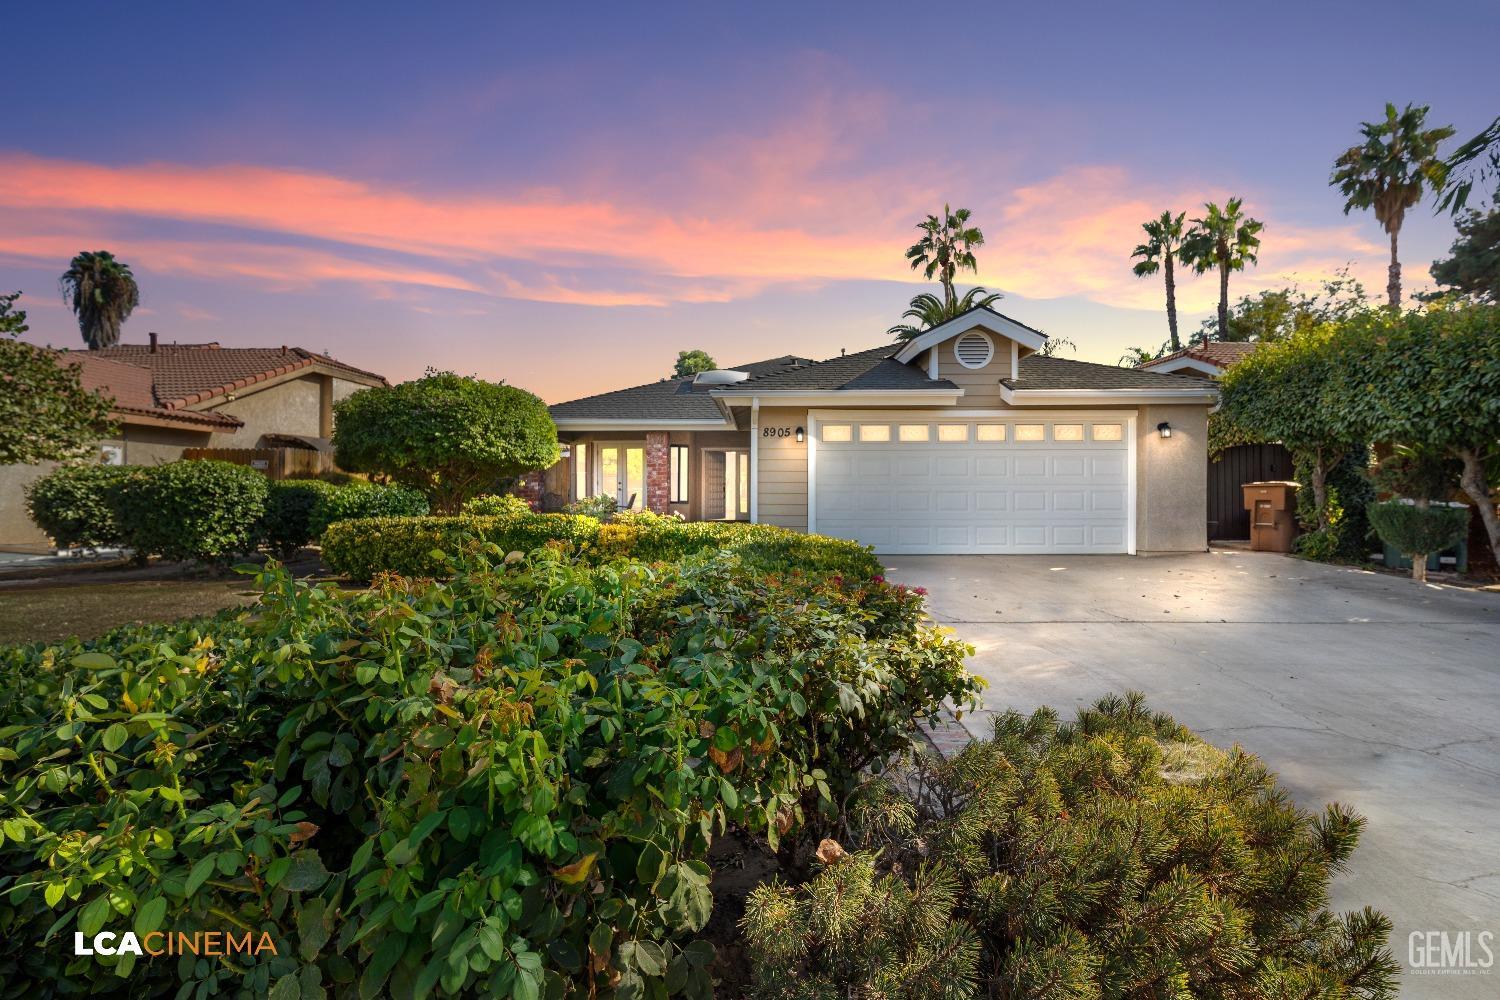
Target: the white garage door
(916, 483)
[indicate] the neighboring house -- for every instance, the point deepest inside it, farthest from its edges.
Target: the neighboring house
(1246, 463)
(1203, 361)
(963, 439)
(169, 397)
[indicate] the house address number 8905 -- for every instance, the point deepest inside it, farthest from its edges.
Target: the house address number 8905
(775, 432)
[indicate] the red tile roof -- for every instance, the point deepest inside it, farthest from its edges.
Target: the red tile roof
(1219, 353)
(163, 384)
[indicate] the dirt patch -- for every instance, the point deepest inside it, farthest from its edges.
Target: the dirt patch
(45, 613)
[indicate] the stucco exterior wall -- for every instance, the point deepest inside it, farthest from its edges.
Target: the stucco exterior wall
(290, 407)
(1171, 513)
(781, 488)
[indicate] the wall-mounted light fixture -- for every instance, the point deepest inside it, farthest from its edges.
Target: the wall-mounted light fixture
(1164, 429)
(801, 435)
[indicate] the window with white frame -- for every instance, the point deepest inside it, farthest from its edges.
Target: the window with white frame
(580, 471)
(874, 432)
(1031, 432)
(837, 432)
(990, 432)
(913, 432)
(1107, 432)
(679, 471)
(953, 432)
(1067, 432)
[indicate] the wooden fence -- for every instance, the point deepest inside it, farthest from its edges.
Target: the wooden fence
(277, 463)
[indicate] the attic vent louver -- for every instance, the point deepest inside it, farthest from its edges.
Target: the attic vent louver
(974, 349)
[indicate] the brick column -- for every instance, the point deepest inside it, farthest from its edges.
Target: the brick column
(658, 473)
(530, 489)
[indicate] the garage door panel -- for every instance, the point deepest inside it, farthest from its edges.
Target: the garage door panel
(1048, 495)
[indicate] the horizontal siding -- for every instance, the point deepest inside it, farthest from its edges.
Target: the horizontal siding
(781, 471)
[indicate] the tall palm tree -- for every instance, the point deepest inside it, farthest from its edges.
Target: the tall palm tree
(102, 293)
(1163, 241)
(1388, 172)
(929, 311)
(1224, 239)
(947, 244)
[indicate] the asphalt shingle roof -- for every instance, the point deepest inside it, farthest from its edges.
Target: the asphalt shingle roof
(873, 368)
(1037, 372)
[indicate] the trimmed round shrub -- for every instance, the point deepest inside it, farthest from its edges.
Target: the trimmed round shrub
(71, 504)
(497, 505)
(359, 500)
(291, 508)
(200, 510)
(1414, 531)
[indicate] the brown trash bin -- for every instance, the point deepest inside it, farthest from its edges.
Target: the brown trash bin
(1273, 515)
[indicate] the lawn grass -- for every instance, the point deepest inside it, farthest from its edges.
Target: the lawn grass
(47, 614)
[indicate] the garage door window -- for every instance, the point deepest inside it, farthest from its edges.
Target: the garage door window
(914, 432)
(1067, 432)
(953, 432)
(1107, 432)
(991, 432)
(874, 432)
(1031, 432)
(836, 432)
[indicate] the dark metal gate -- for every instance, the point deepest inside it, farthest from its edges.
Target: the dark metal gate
(1246, 463)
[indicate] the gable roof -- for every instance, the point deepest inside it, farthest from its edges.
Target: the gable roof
(979, 317)
(874, 368)
(163, 385)
(187, 374)
(1218, 353)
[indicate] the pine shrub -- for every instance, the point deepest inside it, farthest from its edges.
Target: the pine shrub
(1114, 857)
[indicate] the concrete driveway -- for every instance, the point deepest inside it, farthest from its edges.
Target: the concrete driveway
(1357, 687)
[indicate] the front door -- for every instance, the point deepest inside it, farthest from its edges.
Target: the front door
(737, 485)
(622, 474)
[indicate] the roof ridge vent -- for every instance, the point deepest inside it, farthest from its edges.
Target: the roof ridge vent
(719, 376)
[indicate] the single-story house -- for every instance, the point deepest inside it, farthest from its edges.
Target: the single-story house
(1228, 520)
(962, 440)
(171, 397)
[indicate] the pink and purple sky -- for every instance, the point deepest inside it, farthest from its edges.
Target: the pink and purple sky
(565, 197)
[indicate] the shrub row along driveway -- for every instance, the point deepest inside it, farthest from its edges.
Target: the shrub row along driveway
(1357, 687)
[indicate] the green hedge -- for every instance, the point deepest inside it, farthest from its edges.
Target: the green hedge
(500, 785)
(292, 508)
(363, 500)
(501, 505)
(189, 510)
(71, 504)
(416, 546)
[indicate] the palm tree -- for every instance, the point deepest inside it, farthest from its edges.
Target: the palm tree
(1164, 240)
(103, 294)
(1222, 240)
(930, 311)
(947, 244)
(1388, 172)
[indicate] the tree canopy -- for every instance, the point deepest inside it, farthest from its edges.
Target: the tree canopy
(928, 311)
(1474, 267)
(946, 247)
(46, 415)
(451, 437)
(1277, 313)
(1161, 249)
(1223, 240)
(102, 293)
(690, 363)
